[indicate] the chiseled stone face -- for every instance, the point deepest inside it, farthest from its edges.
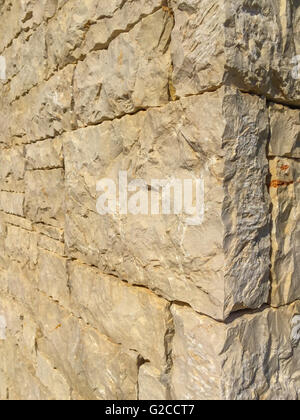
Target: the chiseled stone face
(131, 74)
(228, 361)
(193, 264)
(254, 45)
(285, 195)
(132, 316)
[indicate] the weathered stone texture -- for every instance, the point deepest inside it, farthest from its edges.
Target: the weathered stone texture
(191, 305)
(228, 361)
(167, 255)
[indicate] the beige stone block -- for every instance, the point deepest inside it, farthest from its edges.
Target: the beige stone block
(129, 315)
(21, 245)
(100, 35)
(151, 384)
(45, 112)
(252, 45)
(25, 63)
(285, 195)
(255, 356)
(47, 154)
(53, 276)
(95, 367)
(132, 74)
(285, 131)
(52, 379)
(67, 30)
(12, 167)
(12, 203)
(219, 266)
(52, 245)
(44, 197)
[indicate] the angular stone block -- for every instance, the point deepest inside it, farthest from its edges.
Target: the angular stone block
(12, 203)
(44, 196)
(12, 169)
(218, 266)
(285, 195)
(25, 63)
(132, 74)
(151, 384)
(67, 31)
(129, 315)
(285, 131)
(53, 277)
(46, 110)
(252, 45)
(96, 368)
(47, 154)
(251, 357)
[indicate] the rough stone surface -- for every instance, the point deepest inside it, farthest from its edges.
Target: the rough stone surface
(228, 361)
(202, 303)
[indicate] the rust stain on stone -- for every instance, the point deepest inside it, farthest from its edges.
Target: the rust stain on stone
(277, 183)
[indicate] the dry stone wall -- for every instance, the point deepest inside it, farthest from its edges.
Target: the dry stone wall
(133, 306)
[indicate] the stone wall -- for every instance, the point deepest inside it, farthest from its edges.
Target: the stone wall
(132, 306)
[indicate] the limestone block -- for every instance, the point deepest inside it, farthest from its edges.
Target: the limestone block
(262, 47)
(25, 15)
(198, 45)
(52, 379)
(45, 154)
(12, 168)
(51, 232)
(285, 195)
(21, 245)
(66, 32)
(44, 196)
(46, 111)
(285, 131)
(12, 203)
(52, 245)
(21, 282)
(113, 375)
(132, 74)
(129, 315)
(16, 221)
(218, 266)
(151, 384)
(253, 45)
(26, 63)
(10, 26)
(53, 276)
(255, 356)
(99, 35)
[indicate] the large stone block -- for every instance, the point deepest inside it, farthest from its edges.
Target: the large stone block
(44, 196)
(132, 74)
(285, 195)
(253, 44)
(255, 356)
(21, 245)
(46, 110)
(129, 315)
(93, 365)
(100, 34)
(47, 154)
(53, 276)
(67, 31)
(285, 131)
(25, 63)
(12, 203)
(12, 169)
(218, 266)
